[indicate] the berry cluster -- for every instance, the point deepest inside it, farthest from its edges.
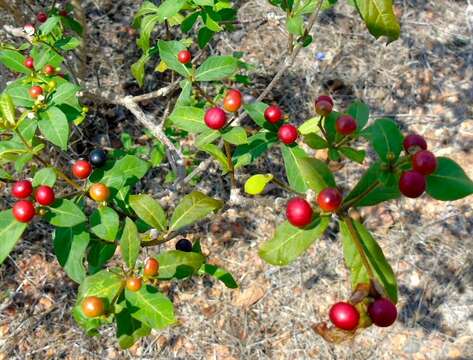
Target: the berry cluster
(216, 118)
(24, 210)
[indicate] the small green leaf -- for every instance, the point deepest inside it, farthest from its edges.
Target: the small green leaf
(360, 112)
(149, 210)
(104, 223)
(204, 36)
(379, 18)
(256, 184)
(14, 60)
(67, 43)
(294, 171)
(188, 118)
(66, 94)
(43, 54)
(316, 174)
(217, 68)
(221, 274)
(45, 176)
(386, 138)
(235, 136)
(309, 126)
(353, 154)
(99, 254)
(178, 264)
(257, 145)
(129, 330)
(7, 109)
(10, 232)
(54, 126)
(315, 141)
(295, 25)
(208, 136)
(168, 51)
(130, 243)
(49, 25)
(218, 155)
(65, 213)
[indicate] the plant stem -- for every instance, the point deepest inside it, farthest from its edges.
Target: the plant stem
(228, 152)
(359, 197)
(286, 187)
(359, 246)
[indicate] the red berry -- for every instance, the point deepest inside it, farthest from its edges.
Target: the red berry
(35, 91)
(22, 189)
(184, 56)
(273, 114)
(82, 169)
(414, 142)
(49, 70)
(42, 17)
(288, 134)
(329, 199)
(345, 125)
(24, 211)
(299, 212)
(151, 267)
(344, 316)
(382, 312)
(324, 98)
(99, 192)
(424, 162)
(215, 118)
(412, 184)
(232, 100)
(29, 62)
(133, 283)
(44, 195)
(92, 306)
(63, 13)
(323, 108)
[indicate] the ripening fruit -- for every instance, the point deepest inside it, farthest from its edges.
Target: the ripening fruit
(324, 98)
(99, 192)
(344, 316)
(273, 114)
(49, 70)
(414, 142)
(63, 13)
(345, 125)
(323, 105)
(184, 245)
(329, 199)
(151, 267)
(29, 62)
(184, 56)
(42, 17)
(412, 184)
(92, 306)
(44, 195)
(24, 211)
(98, 157)
(133, 283)
(382, 312)
(81, 169)
(288, 134)
(232, 100)
(22, 189)
(299, 212)
(35, 91)
(424, 162)
(215, 118)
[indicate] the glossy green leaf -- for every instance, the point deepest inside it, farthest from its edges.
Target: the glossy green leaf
(309, 126)
(207, 137)
(353, 154)
(45, 176)
(294, 171)
(65, 213)
(315, 141)
(10, 232)
(7, 109)
(67, 43)
(204, 36)
(129, 329)
(13, 60)
(66, 94)
(169, 8)
(256, 184)
(188, 118)
(220, 274)
(315, 173)
(386, 138)
(168, 51)
(218, 155)
(257, 145)
(43, 54)
(217, 68)
(360, 112)
(235, 135)
(104, 223)
(138, 68)
(99, 254)
(178, 264)
(149, 210)
(379, 18)
(49, 25)
(54, 126)
(130, 243)
(19, 94)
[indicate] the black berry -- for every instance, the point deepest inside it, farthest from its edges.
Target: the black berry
(184, 245)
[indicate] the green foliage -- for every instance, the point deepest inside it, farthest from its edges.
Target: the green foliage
(10, 232)
(178, 264)
(256, 184)
(379, 18)
(449, 182)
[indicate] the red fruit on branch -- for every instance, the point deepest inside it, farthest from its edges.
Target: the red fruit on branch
(323, 105)
(44, 195)
(42, 17)
(299, 212)
(412, 184)
(184, 56)
(345, 125)
(22, 189)
(215, 118)
(133, 283)
(99, 192)
(288, 134)
(35, 91)
(424, 162)
(232, 100)
(273, 114)
(325, 98)
(29, 62)
(151, 267)
(24, 211)
(184, 245)
(344, 316)
(63, 13)
(49, 70)
(81, 169)
(414, 142)
(329, 199)
(92, 306)
(382, 312)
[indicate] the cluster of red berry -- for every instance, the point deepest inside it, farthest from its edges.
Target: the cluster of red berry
(35, 91)
(216, 118)
(24, 210)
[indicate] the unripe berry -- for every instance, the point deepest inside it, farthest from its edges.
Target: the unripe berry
(151, 267)
(24, 211)
(92, 306)
(49, 70)
(412, 184)
(329, 199)
(81, 169)
(22, 189)
(44, 195)
(273, 114)
(98, 157)
(345, 125)
(382, 312)
(35, 91)
(42, 17)
(184, 56)
(29, 62)
(184, 245)
(424, 162)
(323, 105)
(299, 212)
(324, 98)
(215, 118)
(99, 192)
(133, 283)
(232, 100)
(344, 316)
(414, 142)
(288, 134)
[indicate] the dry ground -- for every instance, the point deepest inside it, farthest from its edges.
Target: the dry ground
(424, 80)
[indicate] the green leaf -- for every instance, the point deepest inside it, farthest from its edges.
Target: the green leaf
(289, 242)
(207, 137)
(169, 8)
(104, 223)
(381, 268)
(189, 22)
(67, 43)
(257, 145)
(126, 171)
(292, 156)
(54, 126)
(66, 94)
(219, 273)
(43, 55)
(204, 36)
(218, 155)
(99, 254)
(13, 60)
(316, 174)
(65, 213)
(256, 184)
(130, 243)
(449, 181)
(149, 210)
(315, 141)
(386, 138)
(192, 208)
(138, 68)
(49, 25)
(7, 109)
(19, 95)
(188, 118)
(168, 51)
(178, 264)
(150, 307)
(45, 176)
(379, 18)
(295, 25)
(235, 136)
(217, 68)
(148, 23)
(256, 112)
(353, 154)
(70, 245)
(129, 330)
(10, 232)
(360, 112)
(309, 126)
